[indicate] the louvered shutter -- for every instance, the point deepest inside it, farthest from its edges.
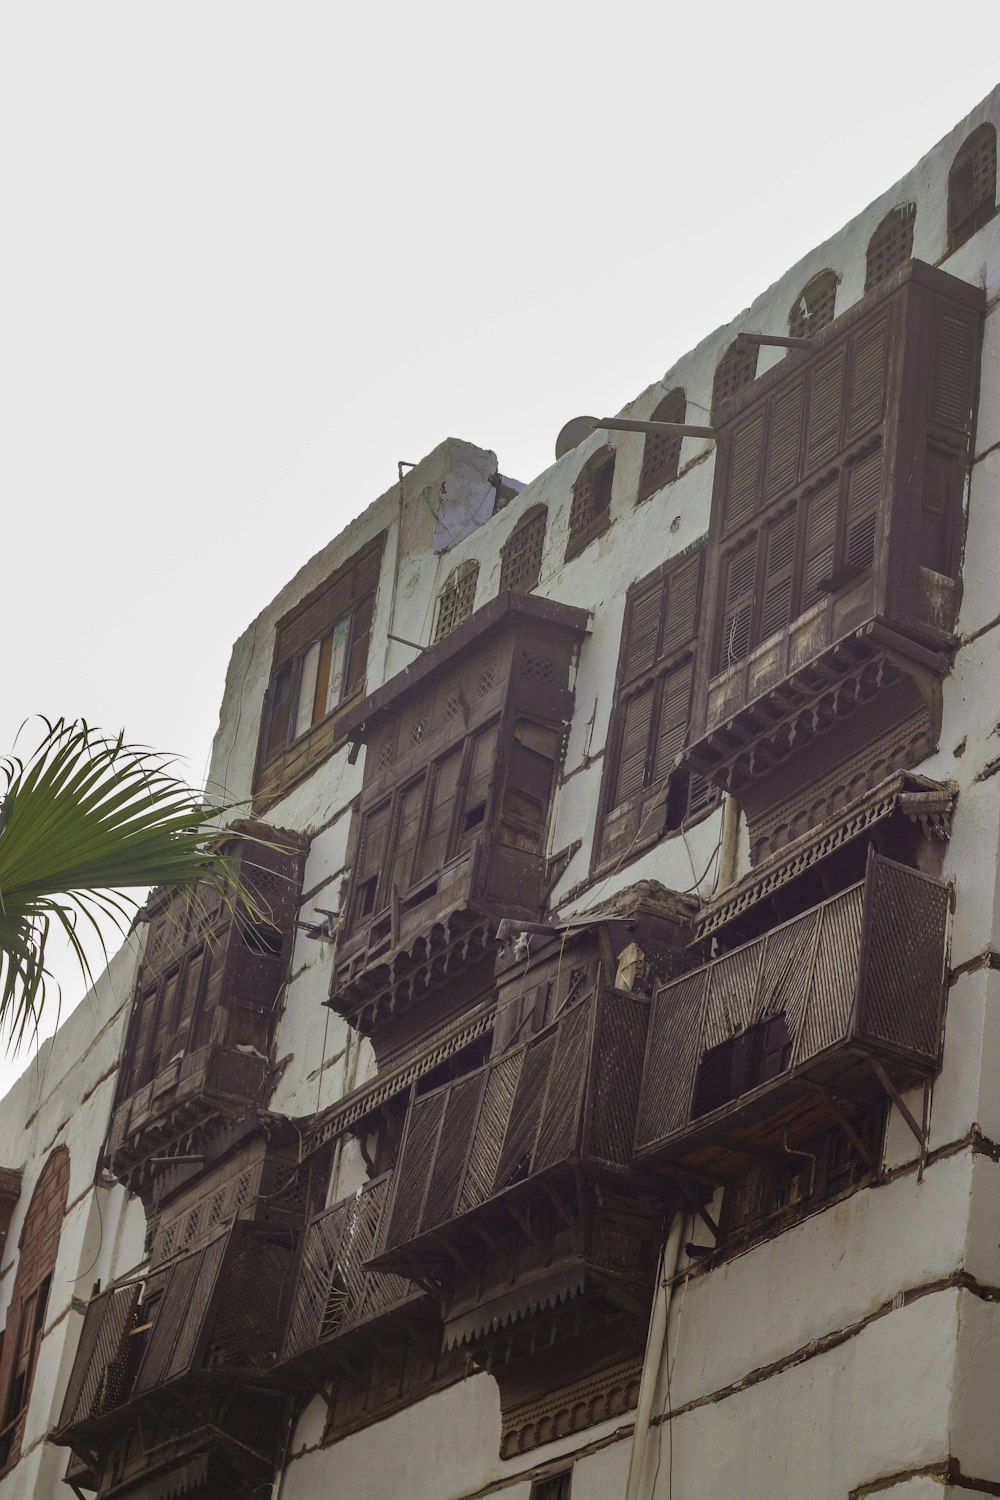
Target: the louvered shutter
(776, 601)
(681, 621)
(972, 185)
(675, 709)
(278, 711)
(643, 630)
(868, 378)
(783, 441)
(737, 612)
(481, 773)
(745, 453)
(825, 405)
(954, 372)
(441, 812)
(409, 814)
(371, 858)
(661, 452)
(820, 542)
(863, 486)
(634, 747)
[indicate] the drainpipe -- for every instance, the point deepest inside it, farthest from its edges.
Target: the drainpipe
(637, 1487)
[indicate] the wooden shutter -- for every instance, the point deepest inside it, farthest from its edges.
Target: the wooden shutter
(737, 609)
(868, 378)
(278, 711)
(784, 441)
(479, 778)
(814, 307)
(675, 712)
(521, 554)
(681, 621)
(361, 625)
(891, 246)
(745, 453)
(863, 488)
(776, 601)
(820, 542)
(643, 629)
(441, 812)
(633, 751)
(972, 185)
(954, 372)
(371, 858)
(661, 452)
(409, 815)
(826, 397)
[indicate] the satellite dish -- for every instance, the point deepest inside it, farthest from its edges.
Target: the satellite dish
(573, 434)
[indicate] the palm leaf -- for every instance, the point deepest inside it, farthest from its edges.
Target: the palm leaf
(84, 819)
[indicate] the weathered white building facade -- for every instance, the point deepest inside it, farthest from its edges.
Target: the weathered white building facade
(685, 1180)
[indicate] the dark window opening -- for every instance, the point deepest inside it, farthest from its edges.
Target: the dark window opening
(661, 452)
(815, 306)
(261, 937)
(475, 816)
(736, 369)
(552, 1487)
(972, 186)
(736, 1066)
(367, 891)
(891, 246)
(590, 510)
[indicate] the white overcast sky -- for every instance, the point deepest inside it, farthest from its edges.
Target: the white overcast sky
(253, 254)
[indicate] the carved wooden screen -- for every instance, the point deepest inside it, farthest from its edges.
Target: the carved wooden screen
(661, 452)
(972, 186)
(815, 306)
(590, 510)
(521, 555)
(736, 369)
(891, 246)
(457, 599)
(643, 795)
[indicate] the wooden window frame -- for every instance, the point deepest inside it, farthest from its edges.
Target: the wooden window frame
(976, 157)
(589, 519)
(844, 567)
(522, 552)
(555, 1485)
(661, 454)
(284, 757)
(682, 795)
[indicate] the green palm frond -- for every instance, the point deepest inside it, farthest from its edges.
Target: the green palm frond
(82, 820)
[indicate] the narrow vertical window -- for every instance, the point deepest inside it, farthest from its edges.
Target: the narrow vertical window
(814, 307)
(972, 186)
(661, 454)
(521, 555)
(457, 599)
(736, 369)
(891, 246)
(590, 511)
(29, 1303)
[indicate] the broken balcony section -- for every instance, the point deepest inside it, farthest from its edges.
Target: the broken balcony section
(205, 1318)
(207, 992)
(512, 1192)
(340, 1305)
(833, 579)
(462, 754)
(759, 1050)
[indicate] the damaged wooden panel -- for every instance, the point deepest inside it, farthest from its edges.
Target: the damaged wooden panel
(744, 1051)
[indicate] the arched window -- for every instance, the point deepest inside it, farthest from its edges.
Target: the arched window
(814, 307)
(38, 1245)
(891, 246)
(457, 599)
(662, 454)
(590, 512)
(736, 368)
(972, 186)
(521, 554)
